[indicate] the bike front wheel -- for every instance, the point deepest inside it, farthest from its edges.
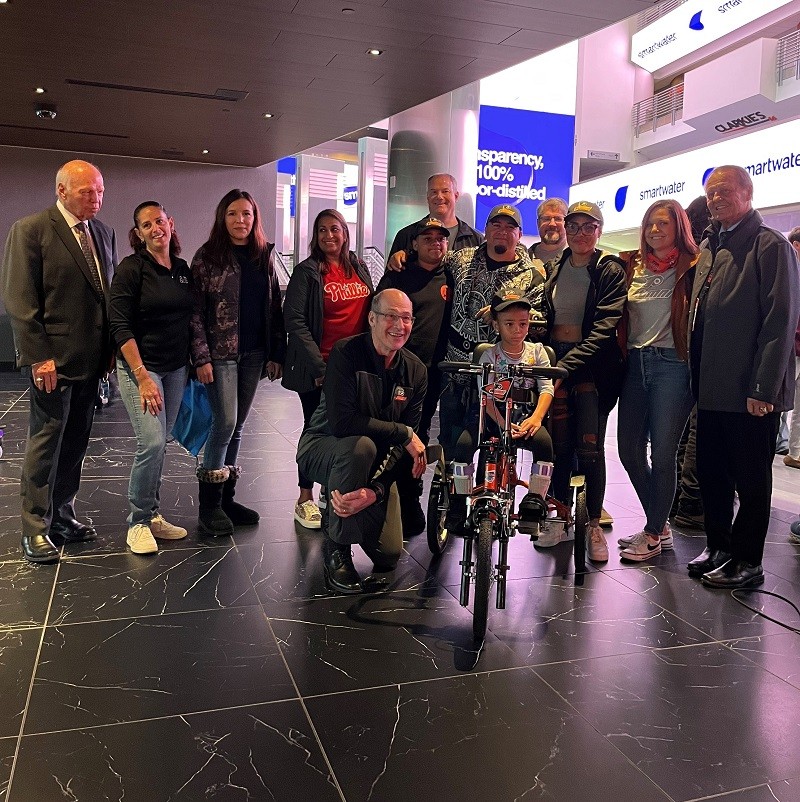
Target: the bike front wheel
(438, 505)
(483, 578)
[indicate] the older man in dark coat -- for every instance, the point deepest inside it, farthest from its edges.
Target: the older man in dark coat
(56, 272)
(745, 305)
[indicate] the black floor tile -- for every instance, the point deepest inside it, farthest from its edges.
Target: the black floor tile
(7, 748)
(777, 791)
(18, 650)
(697, 721)
(714, 612)
(25, 591)
(346, 643)
(264, 752)
(114, 671)
(552, 619)
(498, 736)
(114, 586)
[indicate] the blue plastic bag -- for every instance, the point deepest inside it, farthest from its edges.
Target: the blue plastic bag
(193, 423)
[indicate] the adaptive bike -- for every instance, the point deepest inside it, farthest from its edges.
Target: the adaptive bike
(491, 505)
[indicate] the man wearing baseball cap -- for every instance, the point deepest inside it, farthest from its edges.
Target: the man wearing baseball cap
(500, 263)
(429, 284)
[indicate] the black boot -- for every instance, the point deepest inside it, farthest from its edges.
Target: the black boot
(238, 513)
(212, 518)
(340, 573)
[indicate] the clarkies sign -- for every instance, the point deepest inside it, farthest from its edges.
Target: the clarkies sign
(748, 121)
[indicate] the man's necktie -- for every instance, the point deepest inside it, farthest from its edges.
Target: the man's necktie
(83, 237)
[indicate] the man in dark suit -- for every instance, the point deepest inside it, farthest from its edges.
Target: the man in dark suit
(744, 310)
(57, 269)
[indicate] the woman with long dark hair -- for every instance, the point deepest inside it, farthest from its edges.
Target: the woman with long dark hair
(656, 400)
(327, 299)
(149, 311)
(237, 339)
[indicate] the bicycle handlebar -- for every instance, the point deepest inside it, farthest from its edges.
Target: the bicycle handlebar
(512, 371)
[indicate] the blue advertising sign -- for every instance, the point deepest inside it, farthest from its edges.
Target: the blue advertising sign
(524, 157)
(350, 196)
(288, 165)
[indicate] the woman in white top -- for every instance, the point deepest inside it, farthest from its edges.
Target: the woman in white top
(656, 400)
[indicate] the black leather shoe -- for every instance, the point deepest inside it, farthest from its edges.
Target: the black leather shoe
(734, 574)
(71, 531)
(340, 573)
(412, 516)
(39, 549)
(708, 560)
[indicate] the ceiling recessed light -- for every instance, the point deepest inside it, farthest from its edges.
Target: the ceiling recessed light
(348, 11)
(205, 151)
(373, 51)
(40, 90)
(267, 115)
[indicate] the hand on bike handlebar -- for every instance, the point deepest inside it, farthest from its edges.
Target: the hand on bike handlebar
(417, 450)
(527, 428)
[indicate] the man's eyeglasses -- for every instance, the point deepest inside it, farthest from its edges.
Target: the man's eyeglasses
(583, 228)
(551, 218)
(392, 318)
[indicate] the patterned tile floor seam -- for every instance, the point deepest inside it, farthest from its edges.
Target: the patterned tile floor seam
(29, 693)
(307, 714)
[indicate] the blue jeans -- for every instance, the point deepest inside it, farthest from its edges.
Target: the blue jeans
(653, 407)
(151, 437)
(231, 396)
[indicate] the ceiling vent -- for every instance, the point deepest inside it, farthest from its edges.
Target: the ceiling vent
(227, 95)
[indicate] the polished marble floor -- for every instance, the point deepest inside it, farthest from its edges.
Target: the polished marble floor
(220, 669)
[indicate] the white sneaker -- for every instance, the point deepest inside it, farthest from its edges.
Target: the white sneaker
(140, 540)
(641, 549)
(551, 533)
(666, 539)
(308, 515)
(596, 546)
(164, 530)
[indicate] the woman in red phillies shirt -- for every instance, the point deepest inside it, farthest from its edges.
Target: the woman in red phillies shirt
(327, 299)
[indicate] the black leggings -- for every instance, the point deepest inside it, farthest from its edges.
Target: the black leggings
(578, 429)
(309, 401)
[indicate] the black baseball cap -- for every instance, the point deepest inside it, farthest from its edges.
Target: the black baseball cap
(585, 207)
(431, 224)
(506, 298)
(504, 210)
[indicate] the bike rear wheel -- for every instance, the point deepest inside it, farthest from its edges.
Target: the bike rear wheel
(438, 505)
(483, 578)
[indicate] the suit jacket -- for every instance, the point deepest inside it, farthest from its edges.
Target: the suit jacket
(49, 294)
(751, 313)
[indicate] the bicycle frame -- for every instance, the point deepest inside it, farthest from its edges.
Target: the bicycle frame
(494, 498)
(491, 505)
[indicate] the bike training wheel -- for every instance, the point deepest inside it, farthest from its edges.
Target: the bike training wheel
(581, 524)
(438, 505)
(483, 577)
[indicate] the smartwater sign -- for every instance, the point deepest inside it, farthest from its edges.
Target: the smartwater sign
(523, 157)
(770, 155)
(694, 25)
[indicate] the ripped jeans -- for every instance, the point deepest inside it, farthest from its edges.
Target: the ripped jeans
(578, 429)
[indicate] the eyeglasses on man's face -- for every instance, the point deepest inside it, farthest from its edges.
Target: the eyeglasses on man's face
(581, 228)
(392, 318)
